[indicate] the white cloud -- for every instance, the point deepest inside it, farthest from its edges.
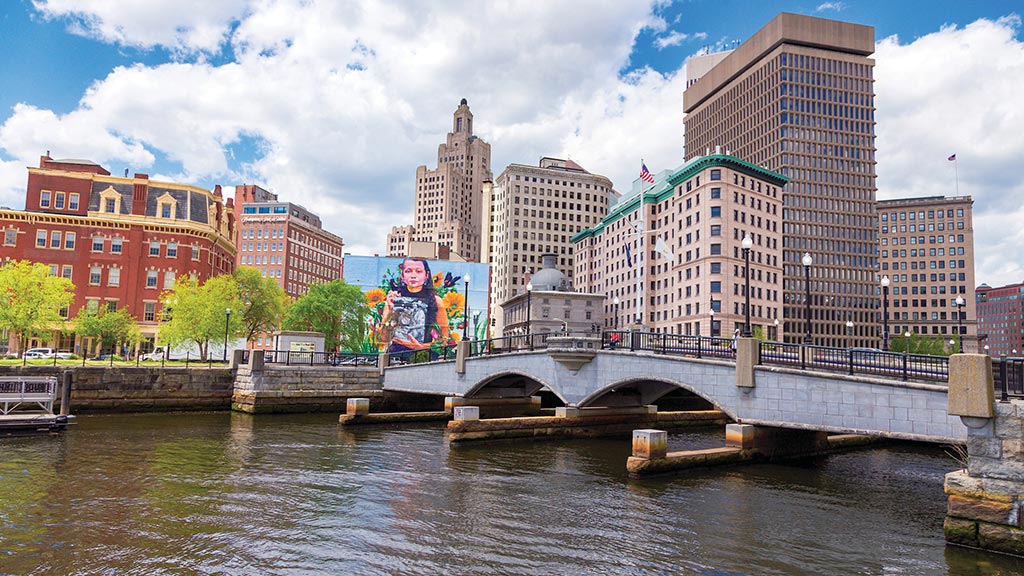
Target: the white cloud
(957, 91)
(831, 6)
(672, 39)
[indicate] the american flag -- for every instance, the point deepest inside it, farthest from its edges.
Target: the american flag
(645, 174)
(952, 158)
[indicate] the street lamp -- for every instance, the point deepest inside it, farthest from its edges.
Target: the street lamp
(227, 324)
(615, 323)
(907, 336)
(849, 332)
(712, 331)
(465, 309)
(806, 261)
(885, 312)
(747, 243)
(777, 330)
(959, 322)
(529, 295)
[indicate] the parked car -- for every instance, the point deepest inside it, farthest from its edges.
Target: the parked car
(36, 353)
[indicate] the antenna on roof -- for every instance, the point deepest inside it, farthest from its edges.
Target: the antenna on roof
(125, 172)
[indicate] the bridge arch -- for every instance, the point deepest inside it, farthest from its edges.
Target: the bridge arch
(639, 391)
(510, 384)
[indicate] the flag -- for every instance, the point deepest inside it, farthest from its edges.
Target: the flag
(645, 174)
(952, 158)
(664, 250)
(629, 259)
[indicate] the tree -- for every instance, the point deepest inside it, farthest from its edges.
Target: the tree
(262, 302)
(110, 327)
(31, 298)
(336, 309)
(197, 313)
(918, 344)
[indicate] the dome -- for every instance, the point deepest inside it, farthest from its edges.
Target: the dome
(549, 279)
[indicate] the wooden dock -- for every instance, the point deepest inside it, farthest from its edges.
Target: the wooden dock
(28, 422)
(26, 404)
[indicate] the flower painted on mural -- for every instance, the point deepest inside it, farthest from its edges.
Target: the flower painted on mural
(453, 304)
(375, 296)
(438, 280)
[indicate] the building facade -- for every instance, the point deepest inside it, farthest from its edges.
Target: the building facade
(549, 305)
(927, 253)
(678, 244)
(121, 241)
(285, 241)
(536, 210)
(797, 98)
(1001, 319)
(449, 198)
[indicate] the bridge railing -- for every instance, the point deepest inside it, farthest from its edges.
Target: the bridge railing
(294, 358)
(1008, 376)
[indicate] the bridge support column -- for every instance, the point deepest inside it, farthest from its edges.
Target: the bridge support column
(747, 356)
(985, 500)
(461, 354)
(775, 442)
(497, 407)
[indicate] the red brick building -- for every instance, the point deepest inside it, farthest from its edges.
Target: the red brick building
(1001, 319)
(121, 241)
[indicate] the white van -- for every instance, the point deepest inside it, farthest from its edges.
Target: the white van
(38, 353)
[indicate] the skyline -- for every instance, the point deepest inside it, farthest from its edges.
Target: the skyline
(257, 94)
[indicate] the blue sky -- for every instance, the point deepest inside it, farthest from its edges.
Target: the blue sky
(334, 104)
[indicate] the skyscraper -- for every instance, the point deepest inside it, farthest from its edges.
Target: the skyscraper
(449, 199)
(797, 98)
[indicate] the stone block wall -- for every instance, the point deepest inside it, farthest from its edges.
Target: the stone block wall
(985, 502)
(303, 388)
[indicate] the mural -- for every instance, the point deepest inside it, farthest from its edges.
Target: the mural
(420, 304)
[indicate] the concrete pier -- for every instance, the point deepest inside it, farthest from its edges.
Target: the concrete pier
(357, 411)
(580, 423)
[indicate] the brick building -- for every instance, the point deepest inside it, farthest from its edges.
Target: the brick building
(1001, 319)
(121, 241)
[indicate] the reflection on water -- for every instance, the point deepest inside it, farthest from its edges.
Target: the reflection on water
(241, 494)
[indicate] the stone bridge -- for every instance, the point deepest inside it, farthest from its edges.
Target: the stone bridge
(582, 375)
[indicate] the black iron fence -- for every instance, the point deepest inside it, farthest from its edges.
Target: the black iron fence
(856, 361)
(293, 358)
(1008, 375)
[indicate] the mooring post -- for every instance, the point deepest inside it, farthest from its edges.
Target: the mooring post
(65, 392)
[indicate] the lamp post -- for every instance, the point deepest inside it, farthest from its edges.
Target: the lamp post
(465, 310)
(712, 329)
(747, 243)
(227, 324)
(615, 320)
(529, 295)
(776, 330)
(959, 322)
(806, 261)
(885, 312)
(906, 336)
(849, 332)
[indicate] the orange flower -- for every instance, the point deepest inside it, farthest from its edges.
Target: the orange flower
(453, 303)
(374, 297)
(438, 280)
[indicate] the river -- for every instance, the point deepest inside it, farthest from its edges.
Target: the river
(229, 493)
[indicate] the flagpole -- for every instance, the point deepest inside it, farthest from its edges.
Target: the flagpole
(956, 176)
(639, 251)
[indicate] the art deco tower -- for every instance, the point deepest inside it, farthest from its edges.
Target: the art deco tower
(797, 98)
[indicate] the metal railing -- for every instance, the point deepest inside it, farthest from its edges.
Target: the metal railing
(856, 361)
(38, 390)
(1008, 377)
(294, 358)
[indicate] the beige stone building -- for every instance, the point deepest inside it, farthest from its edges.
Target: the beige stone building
(678, 244)
(798, 99)
(449, 198)
(536, 210)
(927, 252)
(549, 305)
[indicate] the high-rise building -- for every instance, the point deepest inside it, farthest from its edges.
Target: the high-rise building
(927, 253)
(449, 198)
(285, 241)
(121, 241)
(678, 243)
(536, 210)
(797, 98)
(1001, 319)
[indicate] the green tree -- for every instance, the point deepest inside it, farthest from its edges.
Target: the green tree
(336, 309)
(918, 344)
(262, 302)
(31, 298)
(197, 313)
(110, 327)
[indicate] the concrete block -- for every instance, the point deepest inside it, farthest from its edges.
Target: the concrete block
(466, 413)
(650, 444)
(970, 385)
(567, 412)
(747, 351)
(357, 406)
(740, 436)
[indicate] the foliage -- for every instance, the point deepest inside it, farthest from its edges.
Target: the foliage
(452, 302)
(109, 327)
(919, 344)
(262, 302)
(759, 334)
(336, 309)
(196, 313)
(31, 298)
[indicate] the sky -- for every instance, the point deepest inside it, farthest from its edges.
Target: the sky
(333, 104)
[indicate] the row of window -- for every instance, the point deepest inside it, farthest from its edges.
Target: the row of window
(59, 200)
(932, 226)
(902, 241)
(920, 215)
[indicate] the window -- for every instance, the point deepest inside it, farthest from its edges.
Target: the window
(716, 249)
(115, 245)
(716, 193)
(716, 286)
(172, 249)
(97, 244)
(110, 205)
(151, 279)
(716, 211)
(55, 238)
(114, 277)
(165, 210)
(69, 240)
(716, 267)
(716, 230)
(154, 248)
(10, 237)
(95, 273)
(112, 305)
(149, 312)
(40, 238)
(716, 174)
(92, 305)
(168, 280)
(44, 199)
(58, 200)
(73, 201)
(195, 252)
(66, 271)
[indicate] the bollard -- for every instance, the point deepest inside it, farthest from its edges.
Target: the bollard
(650, 444)
(357, 406)
(65, 393)
(466, 413)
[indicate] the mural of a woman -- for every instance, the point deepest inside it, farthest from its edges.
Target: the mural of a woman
(413, 315)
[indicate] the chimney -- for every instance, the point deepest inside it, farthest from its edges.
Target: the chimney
(139, 192)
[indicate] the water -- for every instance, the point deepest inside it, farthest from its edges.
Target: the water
(240, 494)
